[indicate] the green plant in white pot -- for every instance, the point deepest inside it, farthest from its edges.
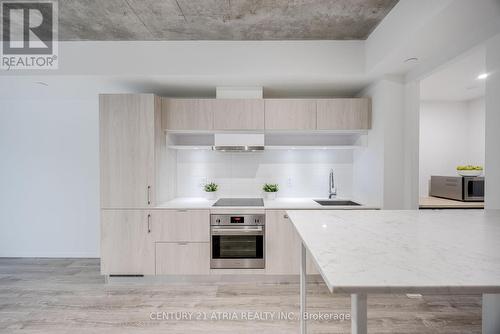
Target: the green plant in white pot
(270, 190)
(211, 190)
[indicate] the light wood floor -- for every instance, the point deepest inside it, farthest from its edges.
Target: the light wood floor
(69, 296)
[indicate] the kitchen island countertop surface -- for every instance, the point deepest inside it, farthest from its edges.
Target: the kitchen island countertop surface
(404, 251)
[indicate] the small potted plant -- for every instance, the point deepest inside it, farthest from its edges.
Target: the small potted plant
(270, 190)
(211, 190)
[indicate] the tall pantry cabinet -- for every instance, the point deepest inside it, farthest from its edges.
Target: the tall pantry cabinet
(130, 148)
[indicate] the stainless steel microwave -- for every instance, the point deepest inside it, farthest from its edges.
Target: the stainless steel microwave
(460, 188)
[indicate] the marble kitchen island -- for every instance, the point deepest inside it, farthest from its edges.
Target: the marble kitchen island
(429, 252)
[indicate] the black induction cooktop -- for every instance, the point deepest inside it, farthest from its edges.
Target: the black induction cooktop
(239, 202)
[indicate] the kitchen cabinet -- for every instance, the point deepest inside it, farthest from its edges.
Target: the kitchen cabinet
(181, 225)
(127, 246)
(283, 246)
(187, 114)
(182, 258)
(343, 114)
(130, 143)
(290, 114)
(238, 114)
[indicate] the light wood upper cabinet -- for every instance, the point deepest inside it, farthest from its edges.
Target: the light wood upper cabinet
(344, 114)
(283, 246)
(130, 124)
(270, 114)
(238, 114)
(290, 114)
(187, 114)
(127, 246)
(181, 225)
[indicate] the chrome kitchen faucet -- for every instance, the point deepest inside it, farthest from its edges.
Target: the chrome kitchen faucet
(332, 190)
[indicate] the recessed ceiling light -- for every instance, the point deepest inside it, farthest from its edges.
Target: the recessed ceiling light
(411, 60)
(482, 76)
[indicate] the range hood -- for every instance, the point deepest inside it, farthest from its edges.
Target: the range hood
(238, 142)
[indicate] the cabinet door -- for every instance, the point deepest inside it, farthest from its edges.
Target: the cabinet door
(182, 258)
(290, 114)
(127, 245)
(238, 114)
(344, 114)
(181, 225)
(127, 128)
(283, 246)
(187, 114)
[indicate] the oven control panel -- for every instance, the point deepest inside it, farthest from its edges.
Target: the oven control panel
(237, 219)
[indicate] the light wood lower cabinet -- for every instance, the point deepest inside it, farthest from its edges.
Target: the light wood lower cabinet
(127, 246)
(177, 242)
(181, 225)
(283, 246)
(182, 258)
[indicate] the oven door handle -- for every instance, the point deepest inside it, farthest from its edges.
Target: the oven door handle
(237, 231)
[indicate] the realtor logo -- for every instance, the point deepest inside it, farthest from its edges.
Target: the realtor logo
(29, 35)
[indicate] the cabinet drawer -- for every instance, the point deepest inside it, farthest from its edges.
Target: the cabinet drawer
(182, 258)
(181, 225)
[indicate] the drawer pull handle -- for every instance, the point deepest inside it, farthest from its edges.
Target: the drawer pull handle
(182, 210)
(285, 216)
(182, 243)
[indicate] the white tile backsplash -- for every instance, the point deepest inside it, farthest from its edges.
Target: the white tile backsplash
(299, 173)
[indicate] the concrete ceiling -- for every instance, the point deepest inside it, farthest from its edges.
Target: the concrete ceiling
(120, 20)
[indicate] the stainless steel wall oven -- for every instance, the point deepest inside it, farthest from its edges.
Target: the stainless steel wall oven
(237, 241)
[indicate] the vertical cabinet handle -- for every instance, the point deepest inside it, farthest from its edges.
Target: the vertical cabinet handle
(149, 195)
(149, 223)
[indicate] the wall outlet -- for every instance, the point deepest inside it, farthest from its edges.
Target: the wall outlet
(289, 181)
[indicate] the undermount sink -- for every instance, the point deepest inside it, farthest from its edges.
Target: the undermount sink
(333, 202)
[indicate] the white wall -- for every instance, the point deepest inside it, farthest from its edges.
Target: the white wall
(492, 163)
(477, 126)
(299, 173)
(378, 173)
(451, 134)
(187, 60)
(49, 197)
(49, 169)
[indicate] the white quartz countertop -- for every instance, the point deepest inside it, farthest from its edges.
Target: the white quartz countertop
(456, 251)
(278, 204)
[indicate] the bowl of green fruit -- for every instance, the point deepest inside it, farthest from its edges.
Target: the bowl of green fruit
(469, 170)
